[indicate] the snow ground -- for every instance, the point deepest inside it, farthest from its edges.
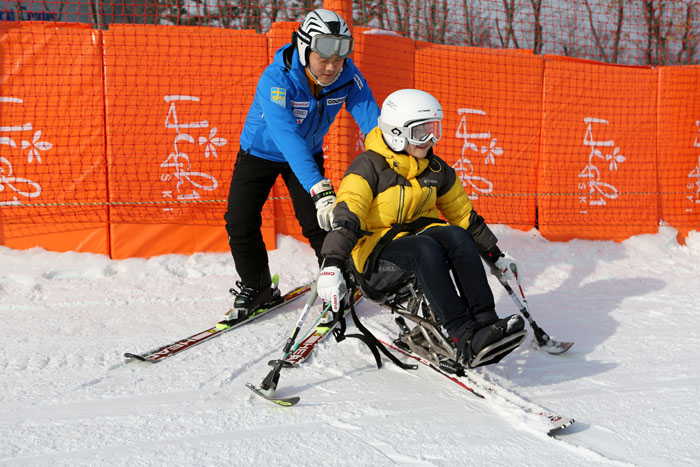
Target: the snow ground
(631, 381)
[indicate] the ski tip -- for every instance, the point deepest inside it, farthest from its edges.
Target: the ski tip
(282, 402)
(560, 424)
(555, 347)
(129, 357)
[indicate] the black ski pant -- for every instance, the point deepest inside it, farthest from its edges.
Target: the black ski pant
(434, 256)
(251, 182)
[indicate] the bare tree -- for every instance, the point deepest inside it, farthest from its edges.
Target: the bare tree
(402, 17)
(689, 38)
(250, 13)
(59, 13)
(509, 8)
(615, 9)
(369, 13)
(171, 11)
(97, 14)
(131, 11)
(657, 39)
(299, 8)
(435, 21)
(362, 12)
(274, 10)
(19, 9)
(618, 30)
(477, 31)
(537, 40)
(594, 30)
(571, 45)
(225, 10)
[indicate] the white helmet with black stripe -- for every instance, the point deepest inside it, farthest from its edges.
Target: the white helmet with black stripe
(326, 33)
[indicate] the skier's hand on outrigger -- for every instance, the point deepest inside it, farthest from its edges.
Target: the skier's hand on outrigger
(502, 266)
(505, 268)
(331, 286)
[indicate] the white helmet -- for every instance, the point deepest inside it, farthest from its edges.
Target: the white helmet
(410, 116)
(324, 32)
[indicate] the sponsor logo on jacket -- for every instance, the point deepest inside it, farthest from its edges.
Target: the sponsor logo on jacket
(300, 114)
(335, 100)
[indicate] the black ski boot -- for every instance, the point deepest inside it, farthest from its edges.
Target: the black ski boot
(491, 343)
(248, 300)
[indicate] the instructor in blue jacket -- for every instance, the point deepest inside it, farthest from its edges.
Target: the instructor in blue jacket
(297, 98)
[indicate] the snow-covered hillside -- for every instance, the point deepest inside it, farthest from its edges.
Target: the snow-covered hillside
(631, 381)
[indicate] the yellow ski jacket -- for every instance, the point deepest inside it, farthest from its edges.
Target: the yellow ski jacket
(382, 188)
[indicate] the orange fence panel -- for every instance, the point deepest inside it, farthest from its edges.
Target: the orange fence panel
(679, 147)
(598, 171)
(386, 60)
(492, 109)
(52, 164)
(175, 111)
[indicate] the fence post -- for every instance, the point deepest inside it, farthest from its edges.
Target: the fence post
(342, 7)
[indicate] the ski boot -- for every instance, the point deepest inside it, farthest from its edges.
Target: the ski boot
(491, 343)
(248, 300)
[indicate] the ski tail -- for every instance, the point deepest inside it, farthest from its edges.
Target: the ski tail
(549, 422)
(168, 350)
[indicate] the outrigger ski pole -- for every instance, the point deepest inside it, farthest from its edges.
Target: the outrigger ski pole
(545, 342)
(269, 383)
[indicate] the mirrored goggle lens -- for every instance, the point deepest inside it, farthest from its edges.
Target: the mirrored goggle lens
(422, 132)
(328, 46)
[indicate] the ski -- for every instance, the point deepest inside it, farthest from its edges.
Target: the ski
(554, 347)
(283, 402)
(477, 385)
(161, 353)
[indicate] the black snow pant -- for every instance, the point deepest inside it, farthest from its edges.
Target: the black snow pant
(465, 303)
(251, 182)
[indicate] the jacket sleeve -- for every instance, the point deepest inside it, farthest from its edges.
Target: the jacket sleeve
(361, 103)
(283, 128)
(355, 197)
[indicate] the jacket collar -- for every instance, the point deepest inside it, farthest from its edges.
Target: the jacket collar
(403, 164)
(288, 57)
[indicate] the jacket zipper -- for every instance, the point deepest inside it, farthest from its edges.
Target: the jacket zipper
(425, 200)
(399, 219)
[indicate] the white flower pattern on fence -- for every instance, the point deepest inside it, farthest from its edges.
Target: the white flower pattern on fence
(694, 176)
(464, 166)
(188, 181)
(593, 190)
(8, 180)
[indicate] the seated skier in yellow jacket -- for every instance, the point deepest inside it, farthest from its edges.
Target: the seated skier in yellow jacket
(388, 215)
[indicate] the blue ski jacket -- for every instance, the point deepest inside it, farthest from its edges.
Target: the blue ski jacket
(286, 123)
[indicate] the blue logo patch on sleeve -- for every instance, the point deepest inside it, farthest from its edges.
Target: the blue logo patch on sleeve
(279, 96)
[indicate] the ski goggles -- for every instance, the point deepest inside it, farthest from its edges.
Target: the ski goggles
(420, 133)
(329, 45)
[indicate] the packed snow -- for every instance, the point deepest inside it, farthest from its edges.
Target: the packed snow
(66, 399)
